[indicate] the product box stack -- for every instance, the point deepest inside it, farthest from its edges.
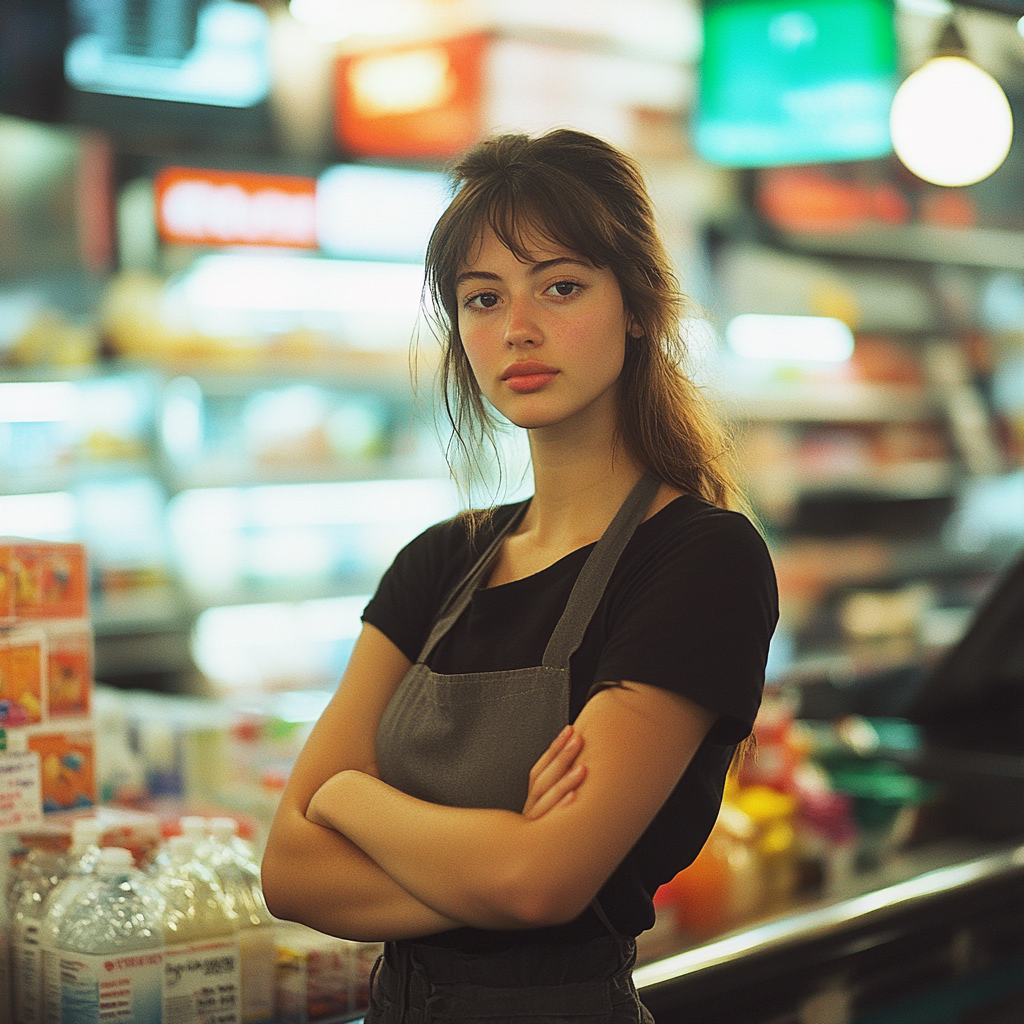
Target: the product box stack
(46, 683)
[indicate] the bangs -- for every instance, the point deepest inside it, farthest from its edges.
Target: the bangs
(543, 206)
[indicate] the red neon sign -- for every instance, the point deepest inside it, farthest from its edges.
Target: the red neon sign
(207, 207)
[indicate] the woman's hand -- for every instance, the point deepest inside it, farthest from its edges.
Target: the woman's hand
(556, 776)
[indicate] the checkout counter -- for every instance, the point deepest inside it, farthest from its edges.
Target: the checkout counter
(934, 935)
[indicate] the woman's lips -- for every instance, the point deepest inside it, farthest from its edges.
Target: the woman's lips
(525, 382)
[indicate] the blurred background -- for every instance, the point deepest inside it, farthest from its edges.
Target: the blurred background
(212, 219)
(216, 377)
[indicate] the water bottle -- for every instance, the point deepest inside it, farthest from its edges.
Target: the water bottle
(110, 948)
(38, 874)
(201, 958)
(231, 859)
(6, 1005)
(193, 827)
(83, 859)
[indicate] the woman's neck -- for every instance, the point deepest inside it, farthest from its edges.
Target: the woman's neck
(579, 485)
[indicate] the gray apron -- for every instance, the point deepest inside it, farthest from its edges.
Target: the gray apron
(470, 740)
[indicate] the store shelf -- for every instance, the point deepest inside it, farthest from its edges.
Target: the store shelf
(919, 243)
(54, 478)
(925, 479)
(832, 403)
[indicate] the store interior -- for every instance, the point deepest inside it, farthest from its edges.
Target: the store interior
(217, 378)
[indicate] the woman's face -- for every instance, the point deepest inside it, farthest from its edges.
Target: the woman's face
(545, 338)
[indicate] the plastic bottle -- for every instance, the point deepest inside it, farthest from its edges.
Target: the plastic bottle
(39, 873)
(83, 859)
(193, 827)
(6, 1005)
(201, 959)
(231, 859)
(110, 943)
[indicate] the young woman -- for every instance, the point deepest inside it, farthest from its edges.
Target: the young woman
(536, 722)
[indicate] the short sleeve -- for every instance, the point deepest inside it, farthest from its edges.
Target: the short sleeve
(695, 616)
(412, 590)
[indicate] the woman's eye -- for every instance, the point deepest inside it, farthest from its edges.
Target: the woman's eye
(564, 288)
(485, 300)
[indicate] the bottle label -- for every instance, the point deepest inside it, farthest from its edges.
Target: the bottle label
(6, 984)
(201, 983)
(27, 967)
(258, 949)
(98, 987)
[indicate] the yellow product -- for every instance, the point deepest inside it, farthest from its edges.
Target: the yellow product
(772, 814)
(319, 976)
(22, 678)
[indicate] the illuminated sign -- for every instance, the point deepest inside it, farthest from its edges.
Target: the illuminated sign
(413, 102)
(218, 208)
(795, 81)
(195, 51)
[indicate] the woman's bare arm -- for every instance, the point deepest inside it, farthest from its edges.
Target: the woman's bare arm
(311, 873)
(497, 869)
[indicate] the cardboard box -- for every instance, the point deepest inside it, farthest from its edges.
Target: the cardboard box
(49, 580)
(22, 676)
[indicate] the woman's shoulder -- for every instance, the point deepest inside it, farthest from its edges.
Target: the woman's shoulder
(690, 533)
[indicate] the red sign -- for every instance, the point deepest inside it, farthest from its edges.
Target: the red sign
(206, 207)
(412, 102)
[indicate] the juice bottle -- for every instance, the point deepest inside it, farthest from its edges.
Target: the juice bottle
(110, 948)
(201, 959)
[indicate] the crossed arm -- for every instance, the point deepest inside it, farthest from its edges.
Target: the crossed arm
(377, 863)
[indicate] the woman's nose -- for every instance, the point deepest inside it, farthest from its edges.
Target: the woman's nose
(521, 327)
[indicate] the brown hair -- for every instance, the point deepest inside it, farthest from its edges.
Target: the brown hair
(582, 194)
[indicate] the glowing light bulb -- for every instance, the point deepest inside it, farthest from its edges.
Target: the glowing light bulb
(950, 122)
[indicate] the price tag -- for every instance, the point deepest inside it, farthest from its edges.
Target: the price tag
(21, 795)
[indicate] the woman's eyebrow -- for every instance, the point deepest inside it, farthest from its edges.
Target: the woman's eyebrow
(536, 268)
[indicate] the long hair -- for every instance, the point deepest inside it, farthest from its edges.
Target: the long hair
(582, 194)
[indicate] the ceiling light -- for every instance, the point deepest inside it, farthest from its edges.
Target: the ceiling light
(950, 121)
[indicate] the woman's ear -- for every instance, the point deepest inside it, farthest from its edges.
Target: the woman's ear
(633, 329)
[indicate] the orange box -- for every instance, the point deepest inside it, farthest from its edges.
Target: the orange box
(51, 581)
(69, 659)
(67, 762)
(22, 676)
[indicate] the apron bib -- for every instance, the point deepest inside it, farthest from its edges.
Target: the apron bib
(470, 739)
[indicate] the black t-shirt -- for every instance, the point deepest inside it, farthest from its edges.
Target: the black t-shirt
(691, 607)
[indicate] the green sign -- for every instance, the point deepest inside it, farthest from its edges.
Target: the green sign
(793, 83)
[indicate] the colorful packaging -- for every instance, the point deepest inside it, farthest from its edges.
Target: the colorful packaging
(50, 580)
(22, 676)
(69, 659)
(314, 975)
(68, 766)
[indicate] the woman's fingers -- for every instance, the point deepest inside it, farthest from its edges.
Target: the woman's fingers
(552, 768)
(562, 793)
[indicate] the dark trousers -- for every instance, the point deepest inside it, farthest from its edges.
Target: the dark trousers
(588, 983)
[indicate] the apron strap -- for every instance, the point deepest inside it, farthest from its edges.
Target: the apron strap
(463, 593)
(597, 570)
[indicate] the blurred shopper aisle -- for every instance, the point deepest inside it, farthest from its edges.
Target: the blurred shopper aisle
(213, 215)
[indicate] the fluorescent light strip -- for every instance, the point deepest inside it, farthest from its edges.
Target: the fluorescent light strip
(38, 402)
(287, 284)
(794, 338)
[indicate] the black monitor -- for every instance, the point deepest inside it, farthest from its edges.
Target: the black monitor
(975, 694)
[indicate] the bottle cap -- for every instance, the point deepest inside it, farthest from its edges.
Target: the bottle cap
(223, 828)
(194, 826)
(116, 857)
(86, 832)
